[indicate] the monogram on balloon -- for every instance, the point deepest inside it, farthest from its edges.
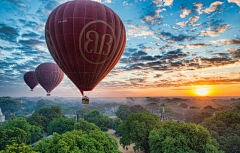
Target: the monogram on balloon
(108, 52)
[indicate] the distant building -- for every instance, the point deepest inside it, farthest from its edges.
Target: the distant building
(163, 115)
(2, 117)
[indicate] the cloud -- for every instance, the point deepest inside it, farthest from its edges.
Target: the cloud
(138, 31)
(213, 7)
(51, 5)
(180, 37)
(193, 19)
(30, 35)
(198, 7)
(31, 42)
(185, 13)
(234, 1)
(233, 41)
(235, 52)
(160, 3)
(31, 24)
(182, 24)
(168, 2)
(216, 31)
(157, 75)
(198, 45)
(153, 18)
(8, 33)
(165, 46)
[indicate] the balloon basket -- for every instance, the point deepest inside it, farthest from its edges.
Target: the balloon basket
(85, 101)
(31, 90)
(48, 94)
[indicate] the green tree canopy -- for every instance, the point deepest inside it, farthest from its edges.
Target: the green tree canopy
(33, 132)
(116, 126)
(44, 116)
(18, 148)
(225, 127)
(85, 126)
(123, 112)
(180, 137)
(198, 118)
(11, 136)
(138, 108)
(137, 128)
(77, 141)
(61, 125)
(7, 104)
(81, 112)
(97, 118)
(40, 103)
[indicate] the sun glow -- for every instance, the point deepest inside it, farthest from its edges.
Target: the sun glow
(202, 91)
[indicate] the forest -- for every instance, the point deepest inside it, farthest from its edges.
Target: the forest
(52, 126)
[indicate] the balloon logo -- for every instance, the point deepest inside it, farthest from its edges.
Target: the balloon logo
(86, 39)
(49, 75)
(30, 79)
(95, 45)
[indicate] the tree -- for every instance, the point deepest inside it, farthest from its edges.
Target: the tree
(138, 108)
(97, 118)
(225, 127)
(77, 141)
(137, 128)
(61, 125)
(40, 103)
(236, 109)
(180, 137)
(116, 126)
(44, 116)
(183, 105)
(51, 113)
(18, 148)
(33, 132)
(81, 112)
(198, 118)
(123, 112)
(85, 126)
(7, 104)
(11, 136)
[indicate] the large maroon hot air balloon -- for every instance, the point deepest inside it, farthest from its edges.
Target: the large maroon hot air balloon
(49, 75)
(30, 79)
(86, 39)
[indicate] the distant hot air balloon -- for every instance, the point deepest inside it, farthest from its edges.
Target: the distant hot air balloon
(30, 79)
(86, 39)
(49, 75)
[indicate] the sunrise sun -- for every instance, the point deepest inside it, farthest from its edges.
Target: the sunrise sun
(202, 91)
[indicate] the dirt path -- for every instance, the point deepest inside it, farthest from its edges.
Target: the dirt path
(130, 148)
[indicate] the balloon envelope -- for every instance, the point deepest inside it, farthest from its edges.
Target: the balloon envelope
(49, 75)
(86, 39)
(30, 79)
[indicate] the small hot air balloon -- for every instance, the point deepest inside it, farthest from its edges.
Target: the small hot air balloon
(86, 39)
(49, 75)
(30, 79)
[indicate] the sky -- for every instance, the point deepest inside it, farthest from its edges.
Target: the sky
(173, 48)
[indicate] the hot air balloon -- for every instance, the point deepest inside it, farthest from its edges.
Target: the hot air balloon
(49, 75)
(30, 79)
(86, 39)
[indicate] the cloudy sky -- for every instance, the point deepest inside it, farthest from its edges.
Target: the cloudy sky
(173, 48)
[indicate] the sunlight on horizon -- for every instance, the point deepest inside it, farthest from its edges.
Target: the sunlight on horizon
(202, 91)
